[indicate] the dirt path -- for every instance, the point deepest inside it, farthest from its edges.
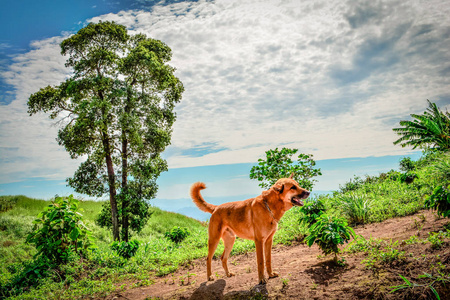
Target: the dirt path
(303, 275)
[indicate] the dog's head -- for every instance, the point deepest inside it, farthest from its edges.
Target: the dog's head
(290, 192)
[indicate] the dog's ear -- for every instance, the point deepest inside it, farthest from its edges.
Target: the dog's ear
(292, 175)
(278, 187)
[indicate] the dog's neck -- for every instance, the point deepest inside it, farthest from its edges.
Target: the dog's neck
(266, 204)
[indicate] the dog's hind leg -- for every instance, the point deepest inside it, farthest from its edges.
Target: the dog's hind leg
(215, 231)
(228, 238)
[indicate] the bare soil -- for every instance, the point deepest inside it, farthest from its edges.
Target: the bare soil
(305, 274)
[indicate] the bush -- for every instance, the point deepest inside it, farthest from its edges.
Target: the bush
(440, 201)
(125, 249)
(408, 177)
(59, 231)
(407, 164)
(351, 185)
(177, 234)
(328, 233)
(312, 211)
(7, 203)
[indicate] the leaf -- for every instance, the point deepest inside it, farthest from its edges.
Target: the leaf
(74, 233)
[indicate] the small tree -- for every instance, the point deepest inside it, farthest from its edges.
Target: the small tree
(60, 231)
(328, 233)
(117, 110)
(279, 164)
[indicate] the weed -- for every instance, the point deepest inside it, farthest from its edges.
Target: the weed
(440, 279)
(285, 282)
(386, 256)
(437, 239)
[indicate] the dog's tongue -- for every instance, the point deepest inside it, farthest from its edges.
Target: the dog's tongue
(296, 201)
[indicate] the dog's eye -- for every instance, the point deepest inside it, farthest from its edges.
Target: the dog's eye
(293, 187)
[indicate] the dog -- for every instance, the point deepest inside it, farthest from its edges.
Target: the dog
(254, 219)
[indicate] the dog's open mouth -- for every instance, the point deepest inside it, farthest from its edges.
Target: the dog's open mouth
(297, 201)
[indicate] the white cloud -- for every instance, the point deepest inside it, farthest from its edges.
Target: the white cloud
(330, 78)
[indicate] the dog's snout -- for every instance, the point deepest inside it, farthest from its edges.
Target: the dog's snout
(305, 194)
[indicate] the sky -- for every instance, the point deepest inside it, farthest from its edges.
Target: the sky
(330, 78)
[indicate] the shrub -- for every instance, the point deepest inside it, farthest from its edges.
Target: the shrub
(351, 185)
(440, 201)
(408, 177)
(7, 203)
(177, 234)
(59, 231)
(26, 274)
(407, 164)
(125, 249)
(312, 211)
(356, 207)
(328, 233)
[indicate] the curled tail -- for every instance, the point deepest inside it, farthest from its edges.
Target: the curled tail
(198, 199)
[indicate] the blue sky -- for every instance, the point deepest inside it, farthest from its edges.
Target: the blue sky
(331, 78)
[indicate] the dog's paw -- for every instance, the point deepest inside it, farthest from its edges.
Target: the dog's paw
(263, 281)
(273, 275)
(230, 274)
(211, 278)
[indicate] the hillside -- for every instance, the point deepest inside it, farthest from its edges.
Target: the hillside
(305, 274)
(380, 208)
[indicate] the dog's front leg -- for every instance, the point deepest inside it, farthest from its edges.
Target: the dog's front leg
(260, 261)
(268, 256)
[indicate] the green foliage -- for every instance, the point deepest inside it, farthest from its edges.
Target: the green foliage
(328, 233)
(440, 201)
(385, 256)
(406, 164)
(408, 177)
(177, 234)
(60, 231)
(125, 249)
(437, 239)
(431, 280)
(138, 213)
(312, 210)
(25, 275)
(279, 164)
(432, 129)
(7, 202)
(355, 207)
(351, 185)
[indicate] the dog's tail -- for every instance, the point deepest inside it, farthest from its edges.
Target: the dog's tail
(198, 199)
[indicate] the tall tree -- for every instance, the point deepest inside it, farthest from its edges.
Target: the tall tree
(279, 164)
(117, 111)
(430, 130)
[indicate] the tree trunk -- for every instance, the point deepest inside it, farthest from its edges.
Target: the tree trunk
(112, 188)
(124, 186)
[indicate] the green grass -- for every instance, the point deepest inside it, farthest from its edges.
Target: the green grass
(367, 200)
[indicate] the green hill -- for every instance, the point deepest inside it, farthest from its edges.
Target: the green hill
(361, 200)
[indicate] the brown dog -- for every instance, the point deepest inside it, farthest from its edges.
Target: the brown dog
(254, 219)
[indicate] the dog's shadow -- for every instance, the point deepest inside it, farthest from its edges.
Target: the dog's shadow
(210, 291)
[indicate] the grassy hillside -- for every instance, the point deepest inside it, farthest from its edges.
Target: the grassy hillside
(361, 200)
